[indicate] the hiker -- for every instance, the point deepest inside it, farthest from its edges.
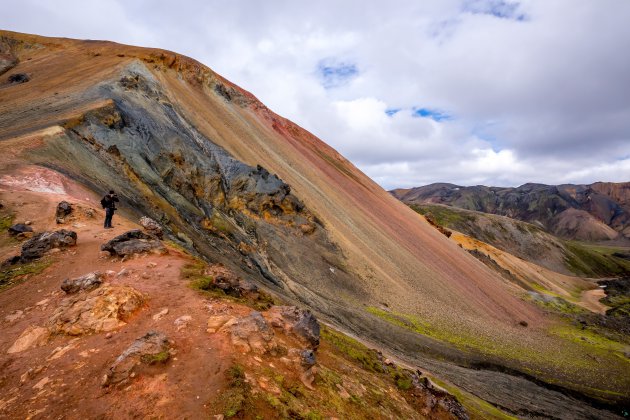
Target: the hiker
(109, 204)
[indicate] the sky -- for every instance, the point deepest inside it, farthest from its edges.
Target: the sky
(491, 92)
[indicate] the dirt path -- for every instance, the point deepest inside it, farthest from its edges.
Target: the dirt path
(63, 377)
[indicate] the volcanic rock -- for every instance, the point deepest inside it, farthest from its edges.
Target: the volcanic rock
(19, 228)
(298, 321)
(19, 78)
(103, 309)
(149, 349)
(151, 226)
(87, 282)
(63, 209)
(251, 333)
(133, 242)
(41, 243)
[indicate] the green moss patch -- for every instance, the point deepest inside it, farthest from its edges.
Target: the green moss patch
(15, 274)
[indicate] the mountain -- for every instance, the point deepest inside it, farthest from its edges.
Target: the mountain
(596, 212)
(236, 186)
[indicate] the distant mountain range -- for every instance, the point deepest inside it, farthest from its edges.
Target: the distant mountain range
(595, 212)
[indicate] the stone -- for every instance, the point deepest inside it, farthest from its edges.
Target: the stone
(31, 337)
(19, 78)
(152, 227)
(87, 282)
(19, 228)
(28, 223)
(182, 322)
(43, 242)
(217, 321)
(133, 242)
(103, 309)
(251, 333)
(300, 322)
(18, 314)
(152, 348)
(160, 314)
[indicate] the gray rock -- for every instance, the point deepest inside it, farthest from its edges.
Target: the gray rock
(151, 226)
(43, 242)
(63, 209)
(308, 357)
(133, 242)
(19, 228)
(299, 321)
(87, 282)
(149, 349)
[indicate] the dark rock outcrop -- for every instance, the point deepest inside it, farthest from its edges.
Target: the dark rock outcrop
(63, 209)
(84, 283)
(18, 228)
(133, 242)
(18, 78)
(152, 348)
(299, 321)
(41, 243)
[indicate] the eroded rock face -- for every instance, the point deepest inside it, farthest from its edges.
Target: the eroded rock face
(43, 242)
(298, 321)
(87, 282)
(103, 309)
(133, 242)
(149, 349)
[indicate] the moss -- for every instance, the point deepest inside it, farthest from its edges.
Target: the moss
(476, 407)
(354, 350)
(6, 221)
(152, 359)
(234, 399)
(15, 274)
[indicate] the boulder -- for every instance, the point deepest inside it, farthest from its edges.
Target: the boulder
(19, 228)
(63, 209)
(251, 333)
(152, 227)
(300, 322)
(103, 309)
(41, 243)
(149, 349)
(133, 242)
(87, 282)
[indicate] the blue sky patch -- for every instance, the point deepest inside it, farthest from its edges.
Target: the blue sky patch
(392, 111)
(434, 114)
(498, 8)
(335, 74)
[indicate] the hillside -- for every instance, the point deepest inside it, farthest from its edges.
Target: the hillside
(234, 184)
(531, 243)
(596, 212)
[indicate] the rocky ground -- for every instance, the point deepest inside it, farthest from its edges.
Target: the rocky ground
(146, 330)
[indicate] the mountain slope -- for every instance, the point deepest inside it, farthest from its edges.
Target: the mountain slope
(595, 212)
(237, 184)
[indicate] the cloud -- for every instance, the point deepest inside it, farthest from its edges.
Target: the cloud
(465, 91)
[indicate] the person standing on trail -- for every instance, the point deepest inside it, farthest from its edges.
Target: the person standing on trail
(109, 204)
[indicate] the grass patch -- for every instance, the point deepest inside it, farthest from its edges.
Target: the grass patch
(6, 221)
(353, 350)
(13, 275)
(594, 261)
(476, 407)
(234, 398)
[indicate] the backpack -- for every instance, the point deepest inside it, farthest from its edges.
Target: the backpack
(105, 201)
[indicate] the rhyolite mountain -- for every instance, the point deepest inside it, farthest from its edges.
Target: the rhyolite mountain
(236, 184)
(595, 212)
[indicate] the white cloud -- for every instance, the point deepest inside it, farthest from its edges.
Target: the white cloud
(538, 90)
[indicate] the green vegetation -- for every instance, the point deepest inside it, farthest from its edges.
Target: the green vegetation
(445, 216)
(595, 261)
(354, 350)
(234, 399)
(15, 274)
(555, 303)
(476, 407)
(195, 272)
(6, 221)
(152, 359)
